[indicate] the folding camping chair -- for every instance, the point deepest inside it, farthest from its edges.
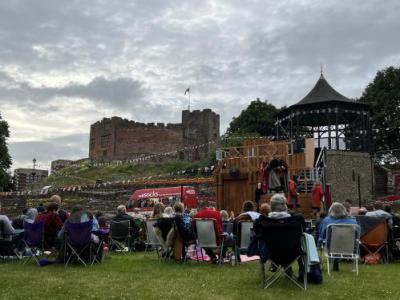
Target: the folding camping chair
(396, 241)
(342, 243)
(34, 240)
(228, 227)
(243, 240)
(374, 235)
(78, 242)
(120, 236)
(282, 238)
(151, 237)
(206, 237)
(8, 247)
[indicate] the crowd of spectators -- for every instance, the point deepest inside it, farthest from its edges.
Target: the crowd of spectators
(174, 226)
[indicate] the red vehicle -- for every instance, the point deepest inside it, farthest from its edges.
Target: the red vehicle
(146, 198)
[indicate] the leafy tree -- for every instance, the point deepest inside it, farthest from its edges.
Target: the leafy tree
(383, 95)
(5, 159)
(256, 119)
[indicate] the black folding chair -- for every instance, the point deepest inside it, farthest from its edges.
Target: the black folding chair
(283, 241)
(33, 240)
(78, 243)
(120, 236)
(8, 247)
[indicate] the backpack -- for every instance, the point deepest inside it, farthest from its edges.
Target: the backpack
(315, 274)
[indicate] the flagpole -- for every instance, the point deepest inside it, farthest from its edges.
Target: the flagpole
(189, 99)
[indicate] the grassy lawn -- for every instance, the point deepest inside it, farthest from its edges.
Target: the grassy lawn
(141, 276)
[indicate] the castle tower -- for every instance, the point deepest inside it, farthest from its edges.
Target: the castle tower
(201, 131)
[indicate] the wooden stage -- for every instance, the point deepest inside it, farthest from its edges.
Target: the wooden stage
(239, 171)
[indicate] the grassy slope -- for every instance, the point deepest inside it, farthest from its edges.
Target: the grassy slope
(141, 276)
(86, 174)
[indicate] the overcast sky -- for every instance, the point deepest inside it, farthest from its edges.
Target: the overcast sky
(66, 64)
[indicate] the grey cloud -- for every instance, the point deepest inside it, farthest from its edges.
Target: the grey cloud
(65, 147)
(118, 92)
(142, 55)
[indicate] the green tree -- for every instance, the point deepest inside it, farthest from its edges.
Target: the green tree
(383, 95)
(256, 119)
(5, 159)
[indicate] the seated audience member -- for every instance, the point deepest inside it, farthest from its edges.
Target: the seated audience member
(279, 210)
(248, 214)
(6, 228)
(164, 229)
(138, 218)
(168, 212)
(103, 223)
(123, 216)
(395, 218)
(28, 215)
(184, 235)
(362, 211)
(41, 208)
(80, 215)
(158, 210)
(14, 237)
(337, 215)
(136, 214)
(61, 212)
(225, 216)
(207, 212)
(347, 206)
(52, 224)
(264, 209)
(18, 222)
(379, 212)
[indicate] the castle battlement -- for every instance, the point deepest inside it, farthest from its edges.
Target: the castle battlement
(118, 138)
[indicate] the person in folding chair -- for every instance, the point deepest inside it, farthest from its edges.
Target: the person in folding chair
(79, 215)
(248, 214)
(184, 231)
(10, 239)
(207, 212)
(133, 228)
(337, 215)
(282, 234)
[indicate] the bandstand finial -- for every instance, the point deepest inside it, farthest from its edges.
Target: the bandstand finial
(322, 70)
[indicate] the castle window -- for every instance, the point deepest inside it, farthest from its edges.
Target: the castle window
(105, 141)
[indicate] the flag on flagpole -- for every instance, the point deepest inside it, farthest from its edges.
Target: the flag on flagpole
(187, 91)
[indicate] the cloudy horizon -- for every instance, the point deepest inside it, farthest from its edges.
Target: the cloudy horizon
(65, 65)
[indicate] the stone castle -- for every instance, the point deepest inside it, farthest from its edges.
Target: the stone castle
(120, 139)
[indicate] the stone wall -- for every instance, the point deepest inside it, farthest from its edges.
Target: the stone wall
(343, 168)
(121, 139)
(98, 199)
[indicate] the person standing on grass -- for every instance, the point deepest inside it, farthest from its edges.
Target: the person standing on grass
(207, 212)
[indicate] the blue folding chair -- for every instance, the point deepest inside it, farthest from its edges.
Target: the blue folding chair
(78, 242)
(33, 240)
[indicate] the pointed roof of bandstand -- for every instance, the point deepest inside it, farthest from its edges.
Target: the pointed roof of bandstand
(322, 99)
(323, 92)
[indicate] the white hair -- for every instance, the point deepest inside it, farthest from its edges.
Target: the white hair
(278, 203)
(121, 209)
(337, 211)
